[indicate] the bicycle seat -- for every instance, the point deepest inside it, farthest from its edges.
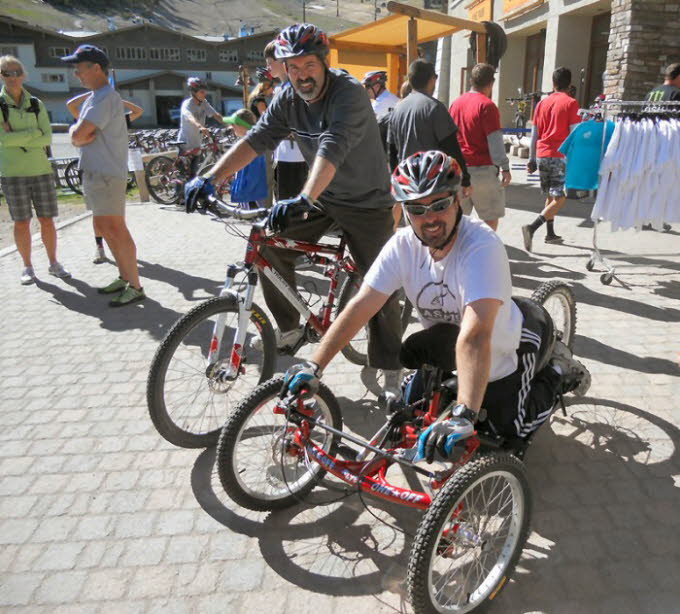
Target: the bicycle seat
(176, 142)
(537, 319)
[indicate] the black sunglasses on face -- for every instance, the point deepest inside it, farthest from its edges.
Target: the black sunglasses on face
(12, 73)
(436, 207)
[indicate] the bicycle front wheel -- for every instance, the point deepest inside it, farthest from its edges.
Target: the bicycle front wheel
(163, 180)
(187, 394)
(471, 537)
(558, 299)
(260, 466)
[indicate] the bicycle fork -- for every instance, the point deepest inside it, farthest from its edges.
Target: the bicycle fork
(244, 302)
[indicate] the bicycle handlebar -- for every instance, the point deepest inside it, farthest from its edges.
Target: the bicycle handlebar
(223, 209)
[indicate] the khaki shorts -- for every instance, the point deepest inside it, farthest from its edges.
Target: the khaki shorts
(488, 195)
(104, 194)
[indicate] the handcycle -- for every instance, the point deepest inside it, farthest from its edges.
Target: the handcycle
(208, 360)
(273, 451)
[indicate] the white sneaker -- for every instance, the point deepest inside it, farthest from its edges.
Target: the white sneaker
(27, 276)
(575, 377)
(58, 270)
(99, 256)
(283, 340)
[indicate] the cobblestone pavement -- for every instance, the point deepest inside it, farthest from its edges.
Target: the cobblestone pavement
(99, 514)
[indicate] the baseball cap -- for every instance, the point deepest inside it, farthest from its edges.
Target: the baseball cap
(88, 53)
(242, 117)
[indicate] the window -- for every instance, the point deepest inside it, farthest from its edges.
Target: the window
(130, 53)
(9, 51)
(52, 78)
(229, 55)
(59, 52)
(208, 75)
(166, 54)
(255, 55)
(196, 55)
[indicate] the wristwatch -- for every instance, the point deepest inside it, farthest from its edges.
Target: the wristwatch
(463, 411)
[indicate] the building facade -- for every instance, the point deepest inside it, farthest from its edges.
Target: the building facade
(150, 63)
(616, 47)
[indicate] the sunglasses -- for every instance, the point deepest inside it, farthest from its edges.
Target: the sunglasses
(436, 207)
(12, 73)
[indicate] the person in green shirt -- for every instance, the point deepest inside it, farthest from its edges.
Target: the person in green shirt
(26, 175)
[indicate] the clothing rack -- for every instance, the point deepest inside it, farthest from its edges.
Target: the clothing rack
(607, 109)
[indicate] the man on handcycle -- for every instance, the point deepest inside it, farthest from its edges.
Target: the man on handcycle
(455, 271)
(332, 121)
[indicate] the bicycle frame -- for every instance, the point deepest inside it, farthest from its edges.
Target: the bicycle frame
(370, 475)
(329, 255)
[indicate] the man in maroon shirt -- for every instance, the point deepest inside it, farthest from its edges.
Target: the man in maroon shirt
(554, 118)
(481, 141)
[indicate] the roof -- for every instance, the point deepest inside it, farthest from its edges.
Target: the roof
(390, 33)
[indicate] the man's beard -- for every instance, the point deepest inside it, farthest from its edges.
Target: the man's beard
(308, 93)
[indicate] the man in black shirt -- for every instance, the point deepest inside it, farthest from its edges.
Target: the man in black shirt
(670, 90)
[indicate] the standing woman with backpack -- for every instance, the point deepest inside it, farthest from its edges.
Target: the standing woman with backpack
(26, 175)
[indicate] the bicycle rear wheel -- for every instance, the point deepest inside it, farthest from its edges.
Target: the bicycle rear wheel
(163, 180)
(73, 177)
(558, 299)
(356, 351)
(259, 466)
(187, 397)
(471, 537)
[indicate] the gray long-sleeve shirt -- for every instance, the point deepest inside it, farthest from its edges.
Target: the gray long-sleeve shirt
(340, 128)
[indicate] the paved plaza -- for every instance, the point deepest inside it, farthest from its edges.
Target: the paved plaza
(99, 514)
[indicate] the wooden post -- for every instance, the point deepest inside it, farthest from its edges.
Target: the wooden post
(411, 41)
(481, 48)
(243, 75)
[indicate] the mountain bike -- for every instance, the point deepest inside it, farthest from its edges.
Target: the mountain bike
(219, 351)
(274, 449)
(525, 104)
(166, 176)
(73, 178)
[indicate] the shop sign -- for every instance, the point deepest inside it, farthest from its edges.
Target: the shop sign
(480, 10)
(510, 6)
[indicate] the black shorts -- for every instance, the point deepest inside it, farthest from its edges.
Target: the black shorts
(289, 178)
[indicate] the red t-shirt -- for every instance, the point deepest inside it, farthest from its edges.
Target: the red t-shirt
(476, 117)
(552, 118)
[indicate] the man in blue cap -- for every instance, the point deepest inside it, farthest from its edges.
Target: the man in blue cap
(101, 135)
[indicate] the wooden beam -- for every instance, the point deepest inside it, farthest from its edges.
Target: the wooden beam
(481, 48)
(411, 40)
(352, 46)
(427, 15)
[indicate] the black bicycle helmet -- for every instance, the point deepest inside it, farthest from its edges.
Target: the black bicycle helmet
(375, 77)
(196, 83)
(425, 173)
(263, 75)
(301, 39)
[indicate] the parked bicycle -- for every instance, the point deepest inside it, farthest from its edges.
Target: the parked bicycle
(210, 359)
(525, 104)
(73, 178)
(166, 176)
(273, 451)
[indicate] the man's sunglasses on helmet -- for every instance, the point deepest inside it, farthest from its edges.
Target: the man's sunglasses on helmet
(12, 73)
(436, 207)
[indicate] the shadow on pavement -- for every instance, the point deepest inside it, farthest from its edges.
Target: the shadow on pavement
(147, 315)
(598, 477)
(185, 283)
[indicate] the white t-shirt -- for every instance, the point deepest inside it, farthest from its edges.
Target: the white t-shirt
(187, 131)
(384, 103)
(476, 268)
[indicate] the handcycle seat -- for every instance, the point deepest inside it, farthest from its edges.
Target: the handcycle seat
(435, 346)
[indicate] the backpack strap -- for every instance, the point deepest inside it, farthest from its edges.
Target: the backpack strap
(4, 107)
(34, 106)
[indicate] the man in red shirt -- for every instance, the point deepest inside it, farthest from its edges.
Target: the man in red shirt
(554, 118)
(481, 141)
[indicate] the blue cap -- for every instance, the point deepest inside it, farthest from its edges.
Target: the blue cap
(88, 53)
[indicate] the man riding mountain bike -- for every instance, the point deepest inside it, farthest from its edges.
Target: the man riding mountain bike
(331, 119)
(455, 271)
(194, 112)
